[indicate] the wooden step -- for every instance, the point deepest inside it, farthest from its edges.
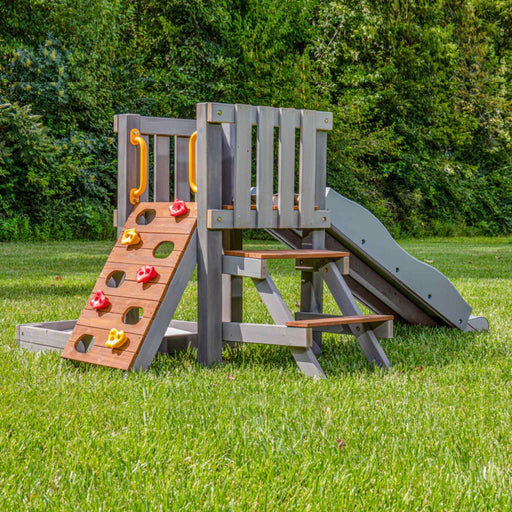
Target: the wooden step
(289, 254)
(340, 320)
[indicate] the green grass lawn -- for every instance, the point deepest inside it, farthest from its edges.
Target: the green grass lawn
(252, 433)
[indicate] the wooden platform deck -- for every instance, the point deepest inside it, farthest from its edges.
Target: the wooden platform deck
(340, 320)
(155, 226)
(289, 254)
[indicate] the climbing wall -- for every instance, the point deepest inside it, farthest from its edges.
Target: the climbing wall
(155, 226)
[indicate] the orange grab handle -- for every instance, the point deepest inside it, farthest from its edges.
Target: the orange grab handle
(192, 162)
(135, 139)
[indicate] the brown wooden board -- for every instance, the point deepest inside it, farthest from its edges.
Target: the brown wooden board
(288, 254)
(340, 320)
(130, 294)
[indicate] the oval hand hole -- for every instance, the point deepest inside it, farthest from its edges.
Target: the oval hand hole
(133, 316)
(84, 343)
(116, 279)
(163, 250)
(146, 217)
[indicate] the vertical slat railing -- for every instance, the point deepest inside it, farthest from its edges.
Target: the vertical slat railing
(286, 166)
(265, 166)
(307, 167)
(242, 168)
(181, 183)
(161, 169)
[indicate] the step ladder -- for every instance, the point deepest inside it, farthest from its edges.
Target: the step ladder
(157, 298)
(296, 332)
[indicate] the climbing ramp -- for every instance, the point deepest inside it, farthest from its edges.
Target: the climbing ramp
(138, 313)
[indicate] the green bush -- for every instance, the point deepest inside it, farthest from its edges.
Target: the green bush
(421, 95)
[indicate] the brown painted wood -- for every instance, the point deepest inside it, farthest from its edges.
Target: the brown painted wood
(288, 254)
(131, 294)
(120, 305)
(340, 320)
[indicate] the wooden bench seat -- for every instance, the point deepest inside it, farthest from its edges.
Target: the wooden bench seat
(340, 320)
(289, 254)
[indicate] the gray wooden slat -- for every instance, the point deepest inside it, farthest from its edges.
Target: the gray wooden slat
(161, 169)
(307, 168)
(286, 171)
(167, 307)
(225, 113)
(228, 162)
(232, 285)
(266, 334)
(242, 167)
(321, 169)
(224, 219)
(209, 254)
(127, 166)
(265, 166)
(181, 171)
(167, 126)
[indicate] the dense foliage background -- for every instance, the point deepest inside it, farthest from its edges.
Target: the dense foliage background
(421, 93)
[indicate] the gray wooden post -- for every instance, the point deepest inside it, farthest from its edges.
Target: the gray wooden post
(311, 293)
(128, 166)
(209, 250)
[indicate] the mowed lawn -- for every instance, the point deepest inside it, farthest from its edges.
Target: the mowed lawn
(252, 433)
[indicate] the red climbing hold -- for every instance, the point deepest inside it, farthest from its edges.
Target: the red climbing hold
(146, 273)
(178, 208)
(99, 301)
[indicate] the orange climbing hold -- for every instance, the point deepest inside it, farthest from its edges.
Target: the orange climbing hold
(146, 273)
(116, 339)
(99, 301)
(178, 208)
(130, 237)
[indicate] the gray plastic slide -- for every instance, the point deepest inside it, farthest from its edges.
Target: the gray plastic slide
(385, 277)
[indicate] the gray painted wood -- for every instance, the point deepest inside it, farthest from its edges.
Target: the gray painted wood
(161, 169)
(232, 285)
(228, 163)
(128, 166)
(365, 235)
(312, 286)
(320, 169)
(286, 168)
(167, 307)
(242, 167)
(181, 170)
(225, 113)
(266, 334)
(225, 219)
(167, 126)
(244, 267)
(265, 166)
(209, 270)
(304, 357)
(477, 324)
(348, 306)
(307, 168)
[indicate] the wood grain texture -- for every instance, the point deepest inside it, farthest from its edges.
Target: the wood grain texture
(288, 254)
(340, 320)
(130, 294)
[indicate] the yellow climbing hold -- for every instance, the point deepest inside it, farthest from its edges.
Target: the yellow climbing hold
(116, 339)
(130, 237)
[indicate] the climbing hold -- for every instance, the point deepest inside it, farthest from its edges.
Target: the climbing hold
(99, 301)
(178, 208)
(146, 273)
(116, 339)
(130, 237)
